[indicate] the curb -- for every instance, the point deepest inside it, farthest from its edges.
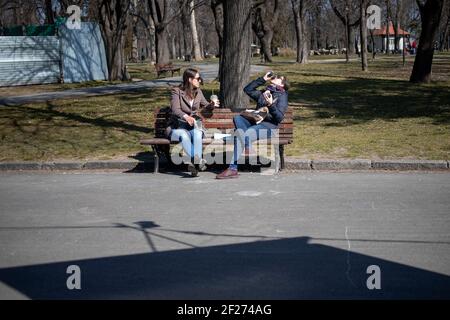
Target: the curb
(353, 164)
(410, 165)
(292, 164)
(72, 165)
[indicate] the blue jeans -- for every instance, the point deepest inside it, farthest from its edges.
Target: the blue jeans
(246, 133)
(191, 141)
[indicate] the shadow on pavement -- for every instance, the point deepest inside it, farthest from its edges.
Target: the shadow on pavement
(289, 268)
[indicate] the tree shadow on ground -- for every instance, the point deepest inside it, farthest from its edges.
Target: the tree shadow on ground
(289, 268)
(50, 113)
(363, 100)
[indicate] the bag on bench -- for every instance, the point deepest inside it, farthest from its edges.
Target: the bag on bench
(255, 116)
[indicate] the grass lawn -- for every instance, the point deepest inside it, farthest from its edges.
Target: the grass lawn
(339, 111)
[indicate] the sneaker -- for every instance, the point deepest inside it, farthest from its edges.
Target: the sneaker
(192, 169)
(202, 165)
(228, 174)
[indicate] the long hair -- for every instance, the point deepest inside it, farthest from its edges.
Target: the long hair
(186, 86)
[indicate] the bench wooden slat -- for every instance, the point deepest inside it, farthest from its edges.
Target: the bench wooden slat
(221, 119)
(168, 67)
(163, 141)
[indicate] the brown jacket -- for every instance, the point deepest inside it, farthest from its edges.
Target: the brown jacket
(179, 103)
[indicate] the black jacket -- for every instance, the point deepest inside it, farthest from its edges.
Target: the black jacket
(276, 110)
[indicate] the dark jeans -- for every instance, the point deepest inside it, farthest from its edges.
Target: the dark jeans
(246, 133)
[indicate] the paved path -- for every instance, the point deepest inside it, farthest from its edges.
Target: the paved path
(309, 235)
(208, 71)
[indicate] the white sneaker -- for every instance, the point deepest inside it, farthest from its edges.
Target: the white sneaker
(202, 165)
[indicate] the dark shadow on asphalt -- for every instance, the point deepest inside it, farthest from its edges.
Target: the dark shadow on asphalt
(291, 268)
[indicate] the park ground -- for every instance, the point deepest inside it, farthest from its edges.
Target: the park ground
(309, 235)
(339, 112)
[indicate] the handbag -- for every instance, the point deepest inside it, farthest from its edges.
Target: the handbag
(255, 116)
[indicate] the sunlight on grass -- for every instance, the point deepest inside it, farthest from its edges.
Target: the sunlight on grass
(339, 112)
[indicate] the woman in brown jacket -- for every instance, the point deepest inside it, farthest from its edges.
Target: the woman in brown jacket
(186, 101)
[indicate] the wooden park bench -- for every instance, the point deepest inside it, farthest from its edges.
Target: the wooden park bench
(221, 120)
(166, 67)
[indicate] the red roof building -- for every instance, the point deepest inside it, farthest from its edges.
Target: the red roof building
(386, 38)
(382, 31)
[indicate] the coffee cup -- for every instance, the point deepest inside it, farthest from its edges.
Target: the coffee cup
(214, 98)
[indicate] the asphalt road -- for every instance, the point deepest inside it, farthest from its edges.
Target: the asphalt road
(306, 235)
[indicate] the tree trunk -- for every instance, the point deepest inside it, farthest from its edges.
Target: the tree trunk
(266, 45)
(300, 31)
(396, 37)
(217, 9)
(318, 30)
(235, 62)
(265, 17)
(113, 24)
(373, 44)
(347, 40)
(363, 35)
(49, 14)
(162, 45)
(115, 57)
(387, 26)
(173, 47)
(195, 42)
(445, 36)
(186, 24)
(351, 40)
(430, 14)
(134, 40)
(160, 17)
(134, 46)
(152, 33)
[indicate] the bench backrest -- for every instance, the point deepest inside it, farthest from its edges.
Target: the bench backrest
(221, 119)
(160, 66)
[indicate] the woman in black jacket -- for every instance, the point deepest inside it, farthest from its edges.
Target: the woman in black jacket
(275, 98)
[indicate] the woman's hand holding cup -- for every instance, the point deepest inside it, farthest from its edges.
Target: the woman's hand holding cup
(215, 100)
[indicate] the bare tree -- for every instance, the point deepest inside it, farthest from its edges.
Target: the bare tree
(186, 27)
(159, 13)
(162, 15)
(134, 40)
(217, 9)
(344, 13)
(430, 13)
(112, 16)
(265, 16)
(394, 14)
(363, 34)
(299, 8)
(195, 41)
(235, 60)
(49, 13)
(445, 28)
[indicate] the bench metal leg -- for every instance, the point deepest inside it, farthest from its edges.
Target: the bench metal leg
(281, 157)
(156, 159)
(277, 158)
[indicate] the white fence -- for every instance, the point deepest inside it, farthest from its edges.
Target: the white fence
(29, 60)
(73, 56)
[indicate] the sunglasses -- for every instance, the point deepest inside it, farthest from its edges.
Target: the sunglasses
(199, 79)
